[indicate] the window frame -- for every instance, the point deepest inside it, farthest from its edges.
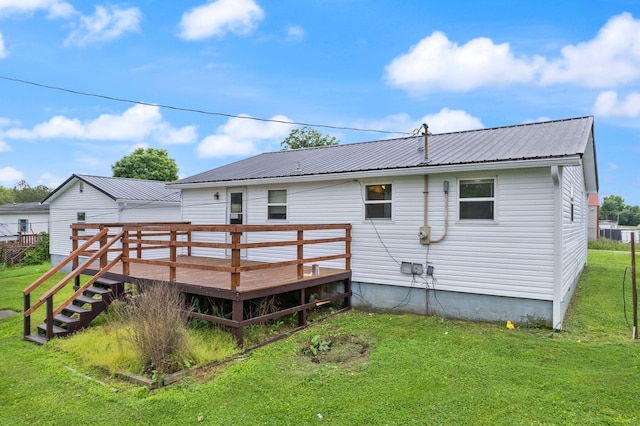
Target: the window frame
(493, 199)
(284, 204)
(368, 202)
(24, 229)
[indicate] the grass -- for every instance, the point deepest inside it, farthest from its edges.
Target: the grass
(608, 244)
(419, 370)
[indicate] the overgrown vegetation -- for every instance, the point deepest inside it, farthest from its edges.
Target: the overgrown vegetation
(608, 244)
(415, 370)
(40, 253)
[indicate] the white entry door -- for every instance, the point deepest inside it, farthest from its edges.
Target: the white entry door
(237, 213)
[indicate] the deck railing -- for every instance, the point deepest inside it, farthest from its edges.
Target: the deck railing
(182, 239)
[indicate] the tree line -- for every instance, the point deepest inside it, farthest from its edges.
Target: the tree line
(614, 208)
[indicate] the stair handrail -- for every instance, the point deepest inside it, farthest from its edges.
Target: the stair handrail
(37, 283)
(76, 272)
(88, 284)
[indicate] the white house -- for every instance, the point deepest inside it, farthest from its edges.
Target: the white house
(25, 218)
(98, 199)
(486, 224)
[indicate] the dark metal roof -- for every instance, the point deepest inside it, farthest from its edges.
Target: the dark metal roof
(5, 231)
(550, 139)
(126, 189)
(24, 208)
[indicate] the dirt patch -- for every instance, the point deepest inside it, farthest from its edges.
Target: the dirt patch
(344, 350)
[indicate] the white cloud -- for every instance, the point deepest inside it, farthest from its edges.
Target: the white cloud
(55, 8)
(295, 33)
(436, 63)
(135, 124)
(241, 136)
(451, 120)
(4, 147)
(613, 166)
(9, 174)
(220, 17)
(3, 50)
(607, 104)
(48, 179)
(611, 59)
(104, 25)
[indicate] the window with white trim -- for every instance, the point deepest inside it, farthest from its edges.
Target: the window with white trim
(476, 199)
(378, 201)
(277, 204)
(23, 225)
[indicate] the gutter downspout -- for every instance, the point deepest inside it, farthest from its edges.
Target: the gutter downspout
(556, 177)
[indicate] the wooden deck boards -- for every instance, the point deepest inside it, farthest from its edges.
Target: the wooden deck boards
(250, 281)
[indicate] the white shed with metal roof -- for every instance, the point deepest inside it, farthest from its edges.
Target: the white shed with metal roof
(486, 224)
(100, 199)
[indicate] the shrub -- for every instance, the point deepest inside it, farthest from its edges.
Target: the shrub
(158, 320)
(40, 253)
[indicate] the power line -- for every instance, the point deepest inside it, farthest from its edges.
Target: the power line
(197, 111)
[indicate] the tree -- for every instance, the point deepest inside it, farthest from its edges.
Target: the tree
(150, 163)
(612, 206)
(306, 137)
(7, 196)
(24, 193)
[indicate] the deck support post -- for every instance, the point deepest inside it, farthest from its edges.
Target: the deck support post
(302, 315)
(125, 252)
(237, 315)
(103, 242)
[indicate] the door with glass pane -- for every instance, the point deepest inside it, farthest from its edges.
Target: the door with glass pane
(237, 215)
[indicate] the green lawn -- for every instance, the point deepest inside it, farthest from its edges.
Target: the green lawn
(420, 370)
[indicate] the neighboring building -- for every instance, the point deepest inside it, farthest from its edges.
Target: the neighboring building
(97, 199)
(6, 234)
(607, 224)
(594, 217)
(491, 223)
(25, 218)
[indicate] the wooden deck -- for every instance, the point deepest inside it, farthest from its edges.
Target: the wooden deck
(116, 251)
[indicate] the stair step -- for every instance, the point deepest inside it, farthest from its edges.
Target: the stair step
(64, 319)
(86, 299)
(57, 331)
(75, 309)
(36, 338)
(108, 282)
(97, 290)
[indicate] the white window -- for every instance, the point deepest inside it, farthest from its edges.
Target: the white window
(378, 201)
(23, 225)
(277, 204)
(477, 199)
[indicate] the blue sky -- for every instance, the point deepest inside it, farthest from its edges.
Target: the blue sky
(382, 65)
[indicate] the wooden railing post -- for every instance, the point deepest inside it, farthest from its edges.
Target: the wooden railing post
(189, 239)
(172, 254)
(125, 251)
(235, 258)
(103, 242)
(347, 247)
(300, 253)
(49, 324)
(139, 243)
(74, 247)
(27, 318)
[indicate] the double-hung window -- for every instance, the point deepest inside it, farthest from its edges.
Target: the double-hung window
(477, 199)
(378, 201)
(277, 204)
(23, 225)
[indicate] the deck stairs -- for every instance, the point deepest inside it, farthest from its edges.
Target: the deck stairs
(83, 309)
(88, 300)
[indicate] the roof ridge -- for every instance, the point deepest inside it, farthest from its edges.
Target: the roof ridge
(533, 123)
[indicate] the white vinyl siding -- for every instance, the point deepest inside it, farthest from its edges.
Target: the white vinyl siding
(510, 257)
(36, 222)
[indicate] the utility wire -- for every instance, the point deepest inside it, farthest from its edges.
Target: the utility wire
(198, 111)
